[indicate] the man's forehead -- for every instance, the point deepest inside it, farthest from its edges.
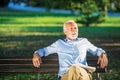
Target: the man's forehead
(71, 24)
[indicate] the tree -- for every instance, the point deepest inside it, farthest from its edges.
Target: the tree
(90, 13)
(103, 5)
(36, 3)
(115, 5)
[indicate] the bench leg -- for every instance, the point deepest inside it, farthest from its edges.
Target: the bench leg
(98, 76)
(14, 76)
(38, 76)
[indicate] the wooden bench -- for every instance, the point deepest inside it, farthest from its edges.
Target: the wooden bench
(49, 65)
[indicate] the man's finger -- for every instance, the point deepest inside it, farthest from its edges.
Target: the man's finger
(99, 60)
(36, 62)
(102, 65)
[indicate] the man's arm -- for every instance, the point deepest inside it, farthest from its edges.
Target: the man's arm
(103, 60)
(36, 60)
(43, 52)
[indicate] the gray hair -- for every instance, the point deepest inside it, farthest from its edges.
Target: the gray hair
(64, 25)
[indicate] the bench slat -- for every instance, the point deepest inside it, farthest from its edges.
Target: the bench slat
(29, 70)
(49, 65)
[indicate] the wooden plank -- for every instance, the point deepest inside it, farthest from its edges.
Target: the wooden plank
(30, 70)
(27, 65)
(19, 64)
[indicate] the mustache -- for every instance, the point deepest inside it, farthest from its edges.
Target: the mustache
(74, 33)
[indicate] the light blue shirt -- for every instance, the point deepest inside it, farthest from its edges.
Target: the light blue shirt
(70, 52)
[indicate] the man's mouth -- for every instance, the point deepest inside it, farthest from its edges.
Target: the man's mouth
(74, 33)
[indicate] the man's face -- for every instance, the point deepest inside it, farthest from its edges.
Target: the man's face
(71, 31)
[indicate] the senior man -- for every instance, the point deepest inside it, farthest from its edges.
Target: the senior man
(71, 52)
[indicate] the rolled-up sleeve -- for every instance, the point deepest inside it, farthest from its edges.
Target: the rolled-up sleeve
(47, 50)
(94, 50)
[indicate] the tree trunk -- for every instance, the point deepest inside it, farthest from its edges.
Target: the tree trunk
(105, 10)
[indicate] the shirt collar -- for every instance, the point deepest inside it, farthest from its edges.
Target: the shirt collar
(68, 40)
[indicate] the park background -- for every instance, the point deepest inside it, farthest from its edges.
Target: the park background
(26, 25)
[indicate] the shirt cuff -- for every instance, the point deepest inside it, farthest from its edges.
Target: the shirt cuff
(100, 51)
(41, 52)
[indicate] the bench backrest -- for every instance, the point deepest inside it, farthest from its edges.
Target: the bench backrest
(49, 65)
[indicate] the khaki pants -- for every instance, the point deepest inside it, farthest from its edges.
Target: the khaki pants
(77, 74)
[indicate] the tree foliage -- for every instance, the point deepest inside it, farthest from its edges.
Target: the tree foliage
(67, 4)
(90, 13)
(116, 5)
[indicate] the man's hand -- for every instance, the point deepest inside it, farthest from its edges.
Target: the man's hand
(103, 60)
(36, 60)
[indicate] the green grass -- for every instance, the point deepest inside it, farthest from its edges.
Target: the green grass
(111, 22)
(23, 23)
(23, 32)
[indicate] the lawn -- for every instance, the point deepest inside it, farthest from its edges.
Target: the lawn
(23, 32)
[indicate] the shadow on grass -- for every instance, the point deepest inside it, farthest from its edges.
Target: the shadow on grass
(107, 38)
(20, 46)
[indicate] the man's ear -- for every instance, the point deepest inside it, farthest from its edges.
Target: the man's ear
(64, 32)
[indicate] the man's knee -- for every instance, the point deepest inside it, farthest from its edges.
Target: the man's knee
(76, 73)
